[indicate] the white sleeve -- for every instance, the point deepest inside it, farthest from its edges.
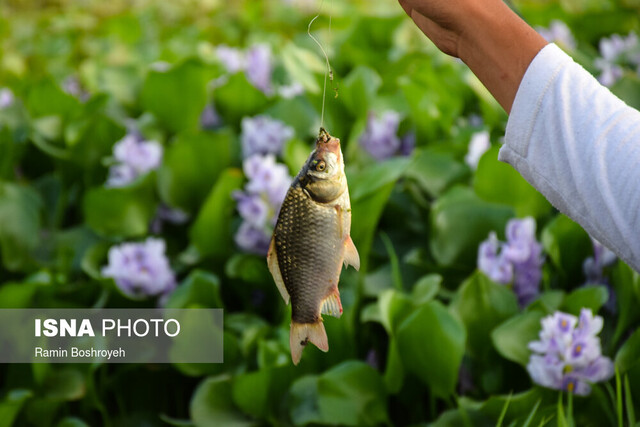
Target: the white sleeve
(579, 145)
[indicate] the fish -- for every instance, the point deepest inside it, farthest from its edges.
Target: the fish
(310, 243)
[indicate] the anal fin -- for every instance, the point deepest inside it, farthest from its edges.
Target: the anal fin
(303, 333)
(332, 305)
(274, 268)
(351, 256)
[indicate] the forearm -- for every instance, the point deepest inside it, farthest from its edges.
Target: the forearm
(498, 47)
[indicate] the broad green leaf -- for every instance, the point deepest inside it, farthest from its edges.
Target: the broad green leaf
(629, 354)
(460, 221)
(238, 98)
(17, 295)
(211, 231)
(46, 98)
(435, 172)
(498, 182)
(295, 154)
(394, 306)
(512, 337)
(591, 297)
(258, 393)
(91, 139)
(426, 288)
(72, 422)
(248, 268)
(200, 287)
(351, 393)
(622, 281)
(11, 405)
(65, 384)
(567, 245)
(177, 96)
(212, 404)
(19, 224)
(628, 89)
(359, 89)
(122, 212)
(431, 344)
(190, 167)
(303, 65)
(394, 371)
(482, 305)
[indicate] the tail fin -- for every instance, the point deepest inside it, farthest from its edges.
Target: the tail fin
(302, 333)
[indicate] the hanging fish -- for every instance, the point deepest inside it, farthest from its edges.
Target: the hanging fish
(310, 243)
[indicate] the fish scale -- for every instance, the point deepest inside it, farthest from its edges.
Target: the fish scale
(310, 243)
(305, 240)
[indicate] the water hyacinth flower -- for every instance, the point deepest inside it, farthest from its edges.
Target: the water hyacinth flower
(259, 67)
(616, 53)
(567, 355)
(140, 269)
(6, 98)
(478, 145)
(260, 201)
(518, 261)
(558, 33)
(291, 90)
(264, 135)
(134, 158)
(209, 118)
(231, 58)
(380, 137)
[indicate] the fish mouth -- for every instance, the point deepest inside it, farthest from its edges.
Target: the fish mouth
(327, 144)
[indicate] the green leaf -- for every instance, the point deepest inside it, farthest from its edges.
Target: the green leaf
(394, 371)
(512, 337)
(629, 354)
(66, 384)
(567, 244)
(20, 218)
(460, 221)
(359, 90)
(628, 89)
(298, 113)
(122, 212)
(12, 404)
(46, 98)
(238, 98)
(428, 328)
(71, 422)
(91, 139)
(248, 268)
(200, 287)
(426, 288)
(190, 167)
(498, 182)
(303, 65)
(212, 404)
(591, 297)
(258, 393)
(394, 306)
(370, 189)
(177, 96)
(482, 305)
(435, 172)
(623, 279)
(17, 295)
(211, 231)
(351, 393)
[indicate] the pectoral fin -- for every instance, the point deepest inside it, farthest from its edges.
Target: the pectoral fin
(272, 261)
(351, 256)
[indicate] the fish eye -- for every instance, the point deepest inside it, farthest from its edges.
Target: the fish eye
(321, 166)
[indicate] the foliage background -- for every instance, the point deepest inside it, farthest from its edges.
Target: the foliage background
(424, 337)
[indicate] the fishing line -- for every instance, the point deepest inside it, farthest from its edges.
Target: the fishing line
(328, 72)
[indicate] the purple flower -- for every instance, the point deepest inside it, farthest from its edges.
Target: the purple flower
(478, 145)
(6, 98)
(517, 261)
(140, 269)
(559, 33)
(264, 135)
(232, 58)
(73, 87)
(209, 118)
(617, 52)
(134, 158)
(252, 239)
(407, 144)
(260, 201)
(259, 67)
(168, 214)
(567, 355)
(380, 137)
